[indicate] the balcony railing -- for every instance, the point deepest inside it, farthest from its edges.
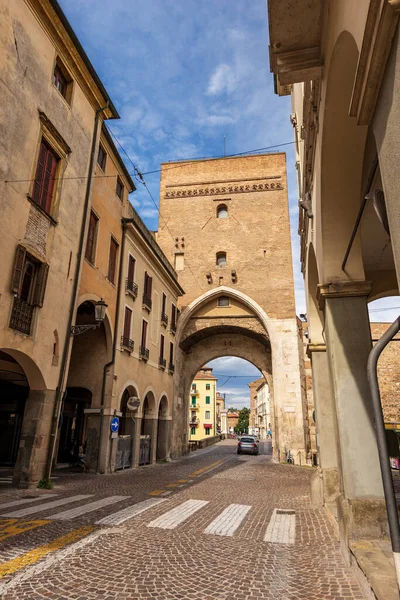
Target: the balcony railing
(162, 362)
(194, 421)
(147, 303)
(144, 353)
(131, 287)
(21, 316)
(171, 367)
(164, 319)
(127, 343)
(194, 407)
(173, 327)
(194, 392)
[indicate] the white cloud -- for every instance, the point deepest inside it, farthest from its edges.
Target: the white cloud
(222, 80)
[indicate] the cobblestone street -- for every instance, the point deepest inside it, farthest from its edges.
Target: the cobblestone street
(212, 525)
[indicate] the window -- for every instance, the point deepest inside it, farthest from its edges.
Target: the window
(28, 284)
(208, 386)
(179, 261)
(223, 301)
(120, 189)
(193, 400)
(62, 80)
(112, 261)
(131, 268)
(207, 414)
(148, 284)
(91, 239)
(45, 176)
(193, 431)
(208, 401)
(207, 430)
(222, 211)
(173, 318)
(171, 353)
(221, 259)
(144, 334)
(102, 158)
(194, 387)
(164, 303)
(162, 344)
(126, 336)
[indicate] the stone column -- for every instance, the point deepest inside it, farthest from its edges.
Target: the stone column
(35, 436)
(325, 485)
(136, 442)
(361, 508)
(154, 431)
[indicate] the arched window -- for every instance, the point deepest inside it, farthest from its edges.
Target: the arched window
(221, 259)
(222, 211)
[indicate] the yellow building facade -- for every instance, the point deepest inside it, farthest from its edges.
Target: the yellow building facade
(202, 405)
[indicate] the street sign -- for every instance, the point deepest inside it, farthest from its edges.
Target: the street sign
(114, 425)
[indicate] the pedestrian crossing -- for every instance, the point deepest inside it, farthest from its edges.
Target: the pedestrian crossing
(279, 528)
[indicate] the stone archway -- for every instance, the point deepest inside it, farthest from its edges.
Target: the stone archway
(205, 333)
(163, 429)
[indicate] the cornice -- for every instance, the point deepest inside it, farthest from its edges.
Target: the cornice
(380, 27)
(222, 190)
(342, 289)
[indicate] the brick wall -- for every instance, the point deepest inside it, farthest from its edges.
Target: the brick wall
(389, 374)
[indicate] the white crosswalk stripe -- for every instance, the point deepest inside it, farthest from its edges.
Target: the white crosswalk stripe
(129, 512)
(282, 527)
(229, 520)
(178, 515)
(26, 501)
(86, 508)
(42, 507)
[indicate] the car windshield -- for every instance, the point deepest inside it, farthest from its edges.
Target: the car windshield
(247, 440)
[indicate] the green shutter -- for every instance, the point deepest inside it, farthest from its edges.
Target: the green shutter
(207, 399)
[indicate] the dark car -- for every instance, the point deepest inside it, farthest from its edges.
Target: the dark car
(247, 445)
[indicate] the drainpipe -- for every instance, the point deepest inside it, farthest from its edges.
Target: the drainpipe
(114, 346)
(67, 343)
(390, 497)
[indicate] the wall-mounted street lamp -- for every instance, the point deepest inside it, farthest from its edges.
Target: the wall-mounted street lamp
(99, 314)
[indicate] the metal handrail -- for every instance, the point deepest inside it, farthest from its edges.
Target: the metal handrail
(388, 487)
(144, 352)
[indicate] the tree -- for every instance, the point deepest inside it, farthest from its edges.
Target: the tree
(243, 421)
(231, 410)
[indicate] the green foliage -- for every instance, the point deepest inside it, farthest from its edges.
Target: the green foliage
(45, 484)
(243, 422)
(231, 410)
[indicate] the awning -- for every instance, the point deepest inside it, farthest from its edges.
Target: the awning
(207, 426)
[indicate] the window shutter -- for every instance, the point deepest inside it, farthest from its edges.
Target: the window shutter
(40, 285)
(131, 268)
(37, 186)
(18, 269)
(127, 322)
(48, 182)
(149, 284)
(162, 346)
(144, 333)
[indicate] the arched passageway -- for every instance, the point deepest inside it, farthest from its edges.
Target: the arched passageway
(72, 430)
(163, 429)
(148, 430)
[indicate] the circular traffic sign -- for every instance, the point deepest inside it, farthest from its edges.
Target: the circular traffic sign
(114, 425)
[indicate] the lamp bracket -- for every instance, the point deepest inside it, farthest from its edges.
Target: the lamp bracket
(77, 329)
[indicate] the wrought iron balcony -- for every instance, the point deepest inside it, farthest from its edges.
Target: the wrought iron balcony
(127, 343)
(194, 407)
(131, 287)
(147, 303)
(21, 316)
(144, 353)
(194, 421)
(171, 367)
(173, 327)
(162, 362)
(164, 319)
(194, 392)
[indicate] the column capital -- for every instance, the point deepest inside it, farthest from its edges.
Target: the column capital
(342, 289)
(311, 348)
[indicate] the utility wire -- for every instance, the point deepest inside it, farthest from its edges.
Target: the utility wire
(139, 177)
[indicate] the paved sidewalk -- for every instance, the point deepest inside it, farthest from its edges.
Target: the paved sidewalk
(215, 526)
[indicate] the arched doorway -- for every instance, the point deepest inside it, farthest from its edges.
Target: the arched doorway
(73, 426)
(25, 417)
(91, 350)
(127, 432)
(163, 429)
(148, 430)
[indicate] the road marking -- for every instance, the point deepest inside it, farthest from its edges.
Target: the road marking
(129, 512)
(11, 527)
(205, 469)
(156, 492)
(86, 508)
(26, 501)
(173, 485)
(229, 520)
(34, 509)
(31, 557)
(183, 480)
(282, 527)
(178, 515)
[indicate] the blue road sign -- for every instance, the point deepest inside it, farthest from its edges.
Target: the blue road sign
(114, 425)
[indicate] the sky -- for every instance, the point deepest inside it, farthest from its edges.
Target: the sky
(184, 74)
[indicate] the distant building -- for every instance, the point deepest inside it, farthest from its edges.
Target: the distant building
(233, 420)
(202, 405)
(219, 406)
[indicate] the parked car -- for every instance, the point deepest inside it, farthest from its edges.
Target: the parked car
(247, 445)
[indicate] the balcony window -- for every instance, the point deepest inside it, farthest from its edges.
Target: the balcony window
(130, 285)
(148, 284)
(126, 341)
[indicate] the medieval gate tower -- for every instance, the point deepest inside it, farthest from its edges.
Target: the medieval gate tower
(224, 225)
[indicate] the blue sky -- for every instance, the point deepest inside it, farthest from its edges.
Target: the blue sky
(183, 74)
